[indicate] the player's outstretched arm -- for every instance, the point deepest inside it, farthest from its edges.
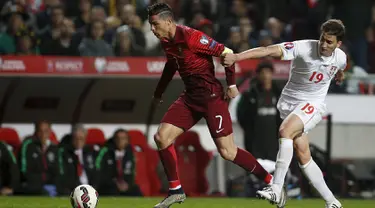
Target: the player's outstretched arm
(166, 77)
(228, 59)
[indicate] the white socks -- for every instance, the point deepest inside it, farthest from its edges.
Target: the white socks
(284, 157)
(315, 176)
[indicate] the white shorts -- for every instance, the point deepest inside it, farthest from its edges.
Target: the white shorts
(311, 113)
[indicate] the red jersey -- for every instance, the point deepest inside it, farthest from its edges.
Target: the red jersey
(190, 53)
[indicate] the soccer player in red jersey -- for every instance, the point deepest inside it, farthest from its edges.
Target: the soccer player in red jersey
(190, 53)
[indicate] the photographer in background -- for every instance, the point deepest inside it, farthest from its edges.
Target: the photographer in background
(258, 116)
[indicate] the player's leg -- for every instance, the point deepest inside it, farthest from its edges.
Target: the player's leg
(164, 138)
(178, 119)
(312, 171)
(220, 125)
(293, 125)
(231, 152)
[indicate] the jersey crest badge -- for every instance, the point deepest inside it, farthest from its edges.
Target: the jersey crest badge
(333, 70)
(204, 40)
(289, 45)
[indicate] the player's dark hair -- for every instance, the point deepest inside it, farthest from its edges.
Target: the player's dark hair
(334, 27)
(161, 9)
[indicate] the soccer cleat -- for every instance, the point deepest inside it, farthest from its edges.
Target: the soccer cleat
(283, 198)
(334, 204)
(278, 199)
(268, 194)
(171, 199)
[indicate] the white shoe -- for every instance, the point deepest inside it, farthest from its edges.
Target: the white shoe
(334, 204)
(272, 196)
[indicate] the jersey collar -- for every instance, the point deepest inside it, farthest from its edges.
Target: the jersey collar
(179, 35)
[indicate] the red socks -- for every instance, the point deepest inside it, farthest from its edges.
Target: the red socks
(248, 162)
(243, 158)
(168, 157)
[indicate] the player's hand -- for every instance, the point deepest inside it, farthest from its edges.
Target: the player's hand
(340, 76)
(156, 101)
(232, 92)
(228, 59)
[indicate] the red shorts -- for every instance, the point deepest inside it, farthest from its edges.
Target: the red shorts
(185, 114)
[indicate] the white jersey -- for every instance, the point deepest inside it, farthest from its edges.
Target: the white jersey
(311, 74)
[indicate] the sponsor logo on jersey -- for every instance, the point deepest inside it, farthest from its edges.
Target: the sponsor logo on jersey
(204, 40)
(213, 44)
(288, 45)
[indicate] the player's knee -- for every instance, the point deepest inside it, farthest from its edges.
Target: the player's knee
(159, 139)
(285, 132)
(228, 153)
(162, 139)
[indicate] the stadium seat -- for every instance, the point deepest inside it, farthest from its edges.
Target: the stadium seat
(95, 136)
(146, 163)
(193, 161)
(11, 137)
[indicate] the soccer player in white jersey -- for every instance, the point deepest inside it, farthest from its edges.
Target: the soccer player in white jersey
(314, 63)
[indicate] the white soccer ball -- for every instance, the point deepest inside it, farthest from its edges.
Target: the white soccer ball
(84, 196)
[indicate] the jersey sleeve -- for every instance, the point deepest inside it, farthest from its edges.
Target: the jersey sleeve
(289, 50)
(166, 77)
(201, 43)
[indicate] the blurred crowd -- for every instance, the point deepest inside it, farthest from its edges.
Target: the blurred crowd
(120, 27)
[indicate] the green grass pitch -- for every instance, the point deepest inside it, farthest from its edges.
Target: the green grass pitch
(111, 202)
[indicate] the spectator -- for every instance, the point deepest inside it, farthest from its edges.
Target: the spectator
(265, 38)
(112, 23)
(357, 19)
(234, 41)
(43, 18)
(197, 18)
(238, 9)
(76, 162)
(85, 14)
(277, 30)
(124, 44)
(246, 28)
(22, 7)
(64, 45)
(15, 20)
(9, 173)
(98, 14)
(93, 44)
(206, 26)
(52, 30)
(257, 111)
(26, 43)
(38, 161)
(116, 167)
(127, 16)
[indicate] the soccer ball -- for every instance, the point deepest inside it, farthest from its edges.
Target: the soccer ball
(84, 196)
